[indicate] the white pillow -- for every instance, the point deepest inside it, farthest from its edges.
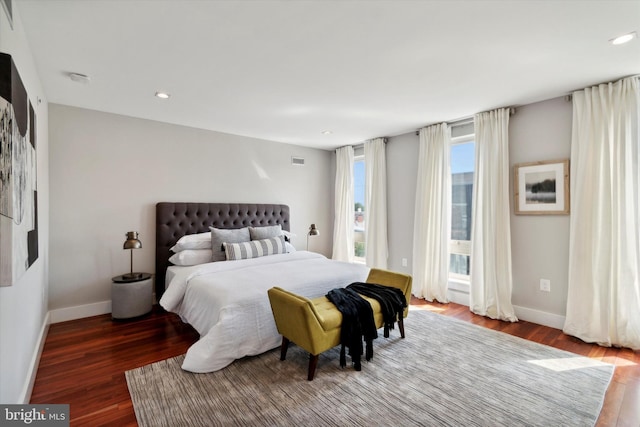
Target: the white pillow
(290, 247)
(193, 241)
(259, 233)
(191, 257)
(255, 248)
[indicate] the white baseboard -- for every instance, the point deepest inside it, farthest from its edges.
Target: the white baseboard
(523, 313)
(540, 317)
(80, 311)
(25, 396)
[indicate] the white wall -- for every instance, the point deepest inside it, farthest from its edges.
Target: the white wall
(402, 171)
(23, 306)
(108, 172)
(540, 244)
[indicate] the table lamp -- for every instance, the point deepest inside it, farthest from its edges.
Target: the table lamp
(132, 243)
(313, 231)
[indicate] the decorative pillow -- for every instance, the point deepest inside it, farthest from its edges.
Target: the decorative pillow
(193, 241)
(220, 236)
(191, 257)
(259, 233)
(255, 248)
(290, 248)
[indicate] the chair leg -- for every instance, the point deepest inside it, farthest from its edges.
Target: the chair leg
(401, 326)
(283, 348)
(313, 362)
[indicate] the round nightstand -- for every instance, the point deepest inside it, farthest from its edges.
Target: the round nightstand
(131, 296)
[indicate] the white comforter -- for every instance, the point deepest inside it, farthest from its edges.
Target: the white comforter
(227, 302)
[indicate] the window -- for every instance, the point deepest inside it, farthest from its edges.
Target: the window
(359, 208)
(462, 169)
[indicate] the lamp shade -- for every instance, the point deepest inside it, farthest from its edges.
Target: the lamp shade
(132, 241)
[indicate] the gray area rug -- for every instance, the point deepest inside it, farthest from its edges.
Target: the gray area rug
(445, 373)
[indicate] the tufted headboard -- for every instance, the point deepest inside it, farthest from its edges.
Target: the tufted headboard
(174, 220)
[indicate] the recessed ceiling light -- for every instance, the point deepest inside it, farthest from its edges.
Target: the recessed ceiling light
(162, 95)
(326, 132)
(625, 38)
(79, 78)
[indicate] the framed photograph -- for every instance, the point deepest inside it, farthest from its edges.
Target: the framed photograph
(542, 188)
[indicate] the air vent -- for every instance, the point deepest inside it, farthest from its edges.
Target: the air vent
(80, 78)
(298, 161)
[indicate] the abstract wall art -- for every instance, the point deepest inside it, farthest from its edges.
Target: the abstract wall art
(18, 180)
(7, 5)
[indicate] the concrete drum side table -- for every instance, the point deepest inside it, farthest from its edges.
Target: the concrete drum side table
(131, 297)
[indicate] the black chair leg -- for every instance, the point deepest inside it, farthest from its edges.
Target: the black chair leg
(313, 362)
(283, 348)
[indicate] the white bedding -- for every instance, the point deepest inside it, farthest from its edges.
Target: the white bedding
(227, 302)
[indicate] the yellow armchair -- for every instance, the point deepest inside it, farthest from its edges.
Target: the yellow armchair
(314, 324)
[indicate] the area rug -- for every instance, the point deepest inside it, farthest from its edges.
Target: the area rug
(445, 373)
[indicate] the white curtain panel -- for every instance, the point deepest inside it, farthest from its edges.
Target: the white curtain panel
(491, 278)
(343, 249)
(432, 224)
(375, 212)
(603, 302)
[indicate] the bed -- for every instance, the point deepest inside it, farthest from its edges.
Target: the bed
(226, 301)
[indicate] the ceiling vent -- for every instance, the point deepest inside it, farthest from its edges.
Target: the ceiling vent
(80, 78)
(297, 161)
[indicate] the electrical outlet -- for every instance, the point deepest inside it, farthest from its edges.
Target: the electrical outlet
(545, 285)
(404, 262)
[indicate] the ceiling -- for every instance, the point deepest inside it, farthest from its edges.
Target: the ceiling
(288, 71)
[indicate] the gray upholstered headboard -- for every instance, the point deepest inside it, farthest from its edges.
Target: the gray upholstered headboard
(174, 220)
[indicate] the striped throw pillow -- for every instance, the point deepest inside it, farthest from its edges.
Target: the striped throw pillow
(255, 248)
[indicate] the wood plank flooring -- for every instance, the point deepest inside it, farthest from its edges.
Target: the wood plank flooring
(84, 361)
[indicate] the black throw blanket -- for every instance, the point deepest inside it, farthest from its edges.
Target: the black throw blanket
(357, 321)
(392, 301)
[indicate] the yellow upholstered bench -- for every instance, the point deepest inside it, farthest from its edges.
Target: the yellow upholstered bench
(314, 324)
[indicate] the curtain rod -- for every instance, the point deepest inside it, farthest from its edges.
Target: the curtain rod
(464, 121)
(361, 144)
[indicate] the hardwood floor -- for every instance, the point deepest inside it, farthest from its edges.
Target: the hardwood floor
(84, 361)
(622, 401)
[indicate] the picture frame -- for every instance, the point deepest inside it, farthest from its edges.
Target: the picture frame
(542, 188)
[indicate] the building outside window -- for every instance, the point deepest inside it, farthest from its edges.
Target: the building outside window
(462, 170)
